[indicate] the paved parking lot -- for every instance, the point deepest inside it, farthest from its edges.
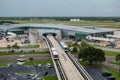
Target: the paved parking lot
(21, 72)
(97, 73)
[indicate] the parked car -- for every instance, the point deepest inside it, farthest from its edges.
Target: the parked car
(106, 74)
(48, 65)
(39, 65)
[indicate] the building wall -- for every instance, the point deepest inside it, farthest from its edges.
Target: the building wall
(103, 34)
(76, 35)
(81, 36)
(67, 33)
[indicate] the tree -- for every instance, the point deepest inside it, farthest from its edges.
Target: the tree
(75, 50)
(8, 47)
(92, 54)
(83, 45)
(31, 60)
(15, 46)
(117, 57)
(75, 44)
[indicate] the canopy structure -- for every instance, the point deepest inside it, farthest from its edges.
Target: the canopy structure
(101, 39)
(114, 36)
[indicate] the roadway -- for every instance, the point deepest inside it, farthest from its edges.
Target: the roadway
(109, 49)
(71, 72)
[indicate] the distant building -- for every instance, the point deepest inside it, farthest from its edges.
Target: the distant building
(76, 20)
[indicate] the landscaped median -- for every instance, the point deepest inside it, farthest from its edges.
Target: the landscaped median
(36, 61)
(21, 53)
(111, 53)
(50, 77)
(4, 63)
(115, 62)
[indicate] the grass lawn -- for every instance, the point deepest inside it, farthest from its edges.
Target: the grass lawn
(85, 63)
(25, 72)
(110, 53)
(27, 62)
(19, 53)
(50, 77)
(114, 72)
(43, 62)
(4, 63)
(33, 46)
(117, 63)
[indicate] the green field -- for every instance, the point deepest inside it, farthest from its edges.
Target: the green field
(105, 24)
(117, 63)
(110, 53)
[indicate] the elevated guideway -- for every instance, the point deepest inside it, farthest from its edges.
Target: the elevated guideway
(59, 71)
(70, 70)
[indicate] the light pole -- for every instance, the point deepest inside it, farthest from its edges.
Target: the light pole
(119, 68)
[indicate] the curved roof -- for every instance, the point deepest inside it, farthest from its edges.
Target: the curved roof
(87, 29)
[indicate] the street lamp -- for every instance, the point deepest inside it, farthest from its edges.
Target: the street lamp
(119, 68)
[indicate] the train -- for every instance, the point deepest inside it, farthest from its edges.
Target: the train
(54, 53)
(64, 46)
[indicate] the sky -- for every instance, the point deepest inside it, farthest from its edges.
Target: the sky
(51, 8)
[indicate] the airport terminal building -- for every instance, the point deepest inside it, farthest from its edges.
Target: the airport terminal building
(62, 31)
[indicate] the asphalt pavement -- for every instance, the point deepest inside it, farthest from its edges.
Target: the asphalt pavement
(109, 49)
(20, 71)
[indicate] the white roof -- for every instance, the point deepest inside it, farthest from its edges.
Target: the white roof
(65, 46)
(87, 29)
(55, 53)
(53, 49)
(62, 43)
(114, 36)
(102, 39)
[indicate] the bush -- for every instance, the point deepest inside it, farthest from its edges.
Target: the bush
(117, 57)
